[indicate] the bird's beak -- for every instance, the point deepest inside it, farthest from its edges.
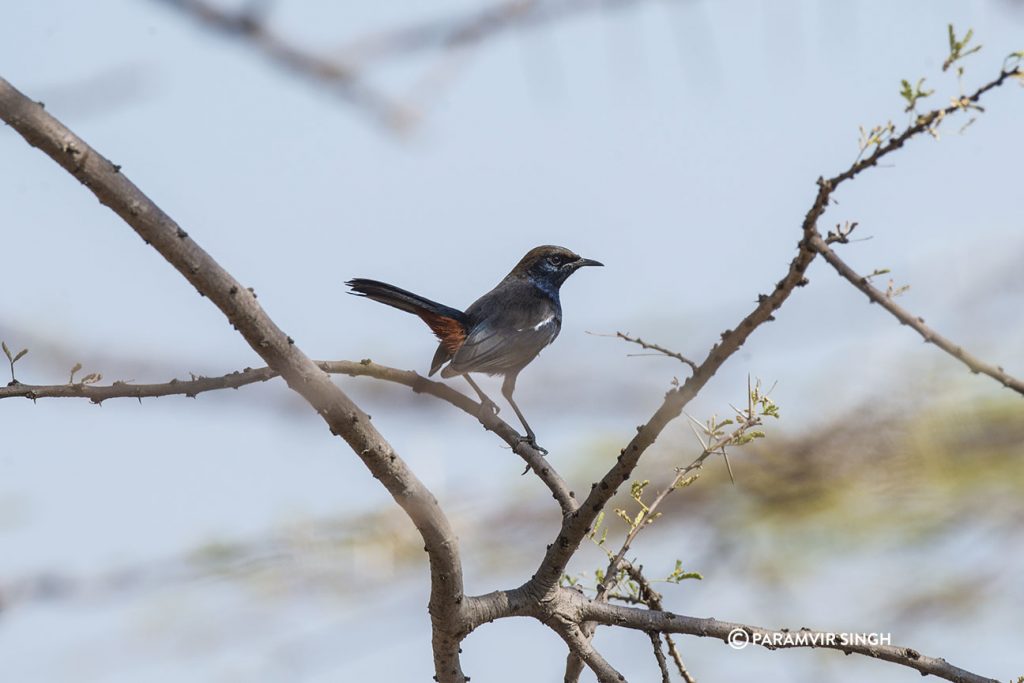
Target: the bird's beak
(587, 262)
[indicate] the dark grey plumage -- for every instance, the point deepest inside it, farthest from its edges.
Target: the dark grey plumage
(502, 331)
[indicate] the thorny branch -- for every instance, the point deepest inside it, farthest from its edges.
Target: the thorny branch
(617, 562)
(879, 297)
(454, 615)
(667, 622)
(566, 605)
(364, 368)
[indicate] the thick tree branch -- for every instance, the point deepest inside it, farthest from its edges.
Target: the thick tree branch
(667, 622)
(364, 368)
(905, 317)
(278, 350)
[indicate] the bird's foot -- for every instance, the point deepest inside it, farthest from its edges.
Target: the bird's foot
(488, 408)
(532, 441)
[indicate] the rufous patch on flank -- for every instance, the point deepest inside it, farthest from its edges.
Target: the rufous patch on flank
(449, 331)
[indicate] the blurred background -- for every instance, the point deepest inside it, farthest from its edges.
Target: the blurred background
(230, 538)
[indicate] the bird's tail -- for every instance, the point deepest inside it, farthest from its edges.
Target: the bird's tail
(449, 324)
(401, 299)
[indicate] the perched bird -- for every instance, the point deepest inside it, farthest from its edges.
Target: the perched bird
(502, 331)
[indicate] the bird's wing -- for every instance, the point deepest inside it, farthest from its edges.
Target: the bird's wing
(507, 340)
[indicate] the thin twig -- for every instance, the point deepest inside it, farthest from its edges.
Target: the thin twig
(682, 474)
(476, 26)
(659, 656)
(652, 599)
(680, 667)
(335, 75)
(657, 347)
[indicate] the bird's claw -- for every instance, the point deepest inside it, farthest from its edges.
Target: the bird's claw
(532, 442)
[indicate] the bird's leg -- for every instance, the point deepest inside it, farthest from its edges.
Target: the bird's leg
(507, 387)
(486, 404)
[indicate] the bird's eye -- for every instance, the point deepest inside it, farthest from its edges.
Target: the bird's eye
(556, 260)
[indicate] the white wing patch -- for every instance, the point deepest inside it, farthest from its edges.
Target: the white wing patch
(546, 321)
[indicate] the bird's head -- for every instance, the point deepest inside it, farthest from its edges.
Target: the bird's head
(551, 265)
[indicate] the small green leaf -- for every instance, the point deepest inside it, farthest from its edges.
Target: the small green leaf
(956, 48)
(7, 351)
(678, 574)
(913, 93)
(20, 354)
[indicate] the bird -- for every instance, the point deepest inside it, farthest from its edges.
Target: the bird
(502, 331)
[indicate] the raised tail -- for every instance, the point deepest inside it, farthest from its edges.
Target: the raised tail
(448, 324)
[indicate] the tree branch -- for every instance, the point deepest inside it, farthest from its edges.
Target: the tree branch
(652, 598)
(567, 605)
(338, 77)
(239, 305)
(905, 317)
(534, 459)
(576, 526)
(659, 656)
(581, 647)
(648, 597)
(668, 622)
(657, 348)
